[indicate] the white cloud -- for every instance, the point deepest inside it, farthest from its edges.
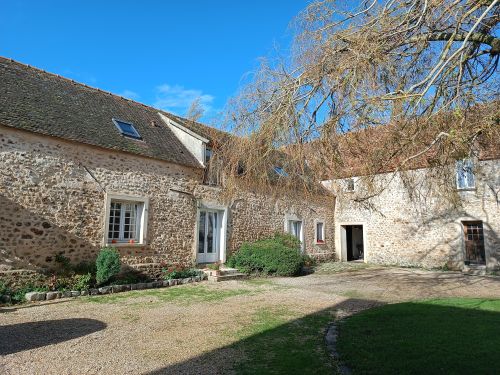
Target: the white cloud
(177, 99)
(129, 94)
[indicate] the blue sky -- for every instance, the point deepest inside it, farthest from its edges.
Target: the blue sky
(162, 53)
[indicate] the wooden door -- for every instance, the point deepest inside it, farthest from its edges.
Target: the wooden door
(474, 242)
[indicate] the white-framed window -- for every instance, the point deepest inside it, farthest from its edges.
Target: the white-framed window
(126, 220)
(294, 225)
(465, 174)
(208, 155)
(295, 228)
(320, 232)
(350, 185)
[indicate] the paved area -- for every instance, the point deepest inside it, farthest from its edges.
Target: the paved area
(191, 329)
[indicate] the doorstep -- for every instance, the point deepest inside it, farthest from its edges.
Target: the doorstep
(225, 274)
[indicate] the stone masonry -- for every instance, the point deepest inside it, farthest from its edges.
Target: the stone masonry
(52, 201)
(421, 230)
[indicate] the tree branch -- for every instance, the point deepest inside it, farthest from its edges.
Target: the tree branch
(490, 40)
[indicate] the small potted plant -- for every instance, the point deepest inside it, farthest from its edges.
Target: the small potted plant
(215, 267)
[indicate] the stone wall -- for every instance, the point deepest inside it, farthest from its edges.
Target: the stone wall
(416, 225)
(253, 216)
(52, 201)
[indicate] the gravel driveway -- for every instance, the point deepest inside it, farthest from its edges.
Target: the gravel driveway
(192, 329)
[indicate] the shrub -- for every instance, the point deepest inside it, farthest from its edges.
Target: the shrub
(63, 262)
(4, 288)
(107, 264)
(18, 295)
(62, 283)
(279, 255)
(84, 267)
(82, 282)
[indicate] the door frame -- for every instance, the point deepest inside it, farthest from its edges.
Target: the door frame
(223, 213)
(459, 244)
(340, 238)
(464, 223)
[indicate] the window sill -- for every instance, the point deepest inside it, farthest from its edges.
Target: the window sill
(320, 242)
(125, 244)
(467, 189)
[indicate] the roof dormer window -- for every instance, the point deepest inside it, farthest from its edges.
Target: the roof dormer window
(127, 129)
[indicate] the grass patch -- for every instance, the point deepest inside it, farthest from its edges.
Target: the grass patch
(181, 295)
(444, 336)
(276, 343)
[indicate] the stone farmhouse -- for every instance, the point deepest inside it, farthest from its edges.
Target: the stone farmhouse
(82, 168)
(415, 220)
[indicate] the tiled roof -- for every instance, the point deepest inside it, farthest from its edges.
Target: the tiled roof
(386, 148)
(41, 102)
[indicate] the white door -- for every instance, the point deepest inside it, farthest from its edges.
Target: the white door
(209, 236)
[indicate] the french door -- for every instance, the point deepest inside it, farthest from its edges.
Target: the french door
(209, 225)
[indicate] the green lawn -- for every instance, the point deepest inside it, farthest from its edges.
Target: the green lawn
(447, 336)
(277, 342)
(182, 295)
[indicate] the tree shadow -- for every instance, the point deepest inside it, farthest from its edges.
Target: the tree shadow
(292, 347)
(25, 336)
(436, 337)
(446, 337)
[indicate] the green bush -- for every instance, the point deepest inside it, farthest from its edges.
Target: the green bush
(4, 288)
(107, 264)
(82, 282)
(278, 255)
(18, 295)
(84, 267)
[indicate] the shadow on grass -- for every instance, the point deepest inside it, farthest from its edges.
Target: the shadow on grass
(25, 336)
(272, 344)
(447, 336)
(451, 336)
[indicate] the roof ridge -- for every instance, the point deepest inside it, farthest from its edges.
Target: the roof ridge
(93, 88)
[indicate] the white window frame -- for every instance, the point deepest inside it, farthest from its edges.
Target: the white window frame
(353, 185)
(292, 218)
(468, 185)
(141, 220)
(323, 241)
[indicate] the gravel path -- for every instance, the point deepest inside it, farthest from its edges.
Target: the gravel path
(159, 333)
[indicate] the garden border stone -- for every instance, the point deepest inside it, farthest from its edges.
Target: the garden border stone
(42, 296)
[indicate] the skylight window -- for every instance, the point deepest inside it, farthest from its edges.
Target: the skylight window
(127, 129)
(280, 172)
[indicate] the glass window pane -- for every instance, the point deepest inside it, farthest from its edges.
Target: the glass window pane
(201, 233)
(210, 233)
(319, 231)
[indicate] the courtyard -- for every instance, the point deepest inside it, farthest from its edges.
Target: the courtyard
(255, 326)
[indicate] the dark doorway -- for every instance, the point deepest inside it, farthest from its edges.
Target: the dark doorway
(353, 243)
(474, 242)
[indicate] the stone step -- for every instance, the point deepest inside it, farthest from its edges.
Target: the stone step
(227, 277)
(228, 271)
(222, 271)
(475, 269)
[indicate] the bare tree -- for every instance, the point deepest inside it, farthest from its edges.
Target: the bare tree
(195, 110)
(418, 65)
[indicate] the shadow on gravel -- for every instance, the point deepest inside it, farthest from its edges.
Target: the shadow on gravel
(293, 347)
(24, 336)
